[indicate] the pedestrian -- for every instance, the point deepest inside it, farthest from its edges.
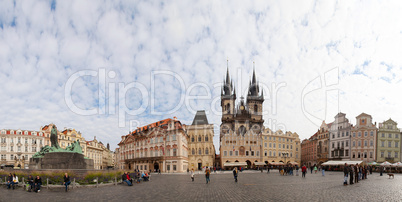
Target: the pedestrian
(351, 174)
(38, 183)
(304, 170)
(159, 171)
(297, 170)
(207, 173)
(214, 169)
(356, 169)
(381, 169)
(323, 170)
(315, 169)
(66, 181)
(31, 183)
(311, 169)
(235, 173)
(192, 174)
(345, 174)
(267, 169)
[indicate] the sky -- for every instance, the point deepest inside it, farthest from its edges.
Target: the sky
(107, 67)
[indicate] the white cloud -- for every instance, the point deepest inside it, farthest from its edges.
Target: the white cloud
(290, 42)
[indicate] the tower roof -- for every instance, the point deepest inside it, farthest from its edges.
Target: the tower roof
(200, 118)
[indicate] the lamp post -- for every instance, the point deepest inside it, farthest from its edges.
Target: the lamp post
(285, 155)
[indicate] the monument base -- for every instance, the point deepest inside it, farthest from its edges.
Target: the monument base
(61, 160)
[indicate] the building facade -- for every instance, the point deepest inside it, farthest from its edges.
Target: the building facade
(339, 138)
(160, 145)
(17, 146)
(240, 130)
(323, 143)
(68, 136)
(389, 142)
(280, 147)
(363, 139)
(309, 151)
(201, 146)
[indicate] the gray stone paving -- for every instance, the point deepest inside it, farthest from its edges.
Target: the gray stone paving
(252, 186)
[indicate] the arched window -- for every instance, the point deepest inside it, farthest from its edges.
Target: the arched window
(193, 151)
(206, 150)
(228, 108)
(206, 138)
(192, 138)
(199, 151)
(255, 108)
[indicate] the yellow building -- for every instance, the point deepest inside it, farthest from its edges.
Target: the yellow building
(69, 136)
(201, 146)
(280, 147)
(94, 151)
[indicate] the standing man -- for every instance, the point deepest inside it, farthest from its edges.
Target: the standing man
(304, 170)
(356, 168)
(351, 174)
(345, 174)
(207, 173)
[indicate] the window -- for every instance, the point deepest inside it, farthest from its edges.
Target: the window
(206, 138)
(354, 134)
(371, 133)
(12, 156)
(174, 152)
(382, 135)
(396, 154)
(152, 140)
(26, 149)
(246, 153)
(390, 135)
(236, 153)
(230, 153)
(274, 145)
(396, 144)
(365, 134)
(389, 154)
(365, 143)
(252, 153)
(371, 154)
(270, 145)
(382, 144)
(167, 138)
(382, 154)
(333, 145)
(396, 136)
(353, 155)
(274, 153)
(174, 167)
(347, 143)
(265, 153)
(343, 134)
(193, 151)
(279, 146)
(359, 134)
(270, 153)
(333, 136)
(358, 143)
(199, 151)
(365, 155)
(389, 143)
(225, 153)
(174, 137)
(265, 144)
(206, 151)
(347, 152)
(347, 133)
(199, 138)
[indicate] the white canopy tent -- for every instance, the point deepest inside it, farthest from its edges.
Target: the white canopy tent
(386, 163)
(228, 164)
(339, 163)
(260, 163)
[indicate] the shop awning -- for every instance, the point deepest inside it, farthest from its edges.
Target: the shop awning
(339, 163)
(227, 164)
(276, 163)
(260, 163)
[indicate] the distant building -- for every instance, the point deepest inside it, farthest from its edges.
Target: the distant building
(160, 145)
(339, 138)
(99, 153)
(363, 138)
(309, 151)
(323, 143)
(389, 142)
(69, 136)
(280, 147)
(201, 146)
(17, 146)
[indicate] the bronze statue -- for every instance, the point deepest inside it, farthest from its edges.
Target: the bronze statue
(53, 138)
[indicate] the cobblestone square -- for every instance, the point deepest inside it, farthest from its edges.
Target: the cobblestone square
(252, 186)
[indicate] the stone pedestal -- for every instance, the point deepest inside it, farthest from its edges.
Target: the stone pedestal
(61, 160)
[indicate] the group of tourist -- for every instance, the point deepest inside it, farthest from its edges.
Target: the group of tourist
(288, 170)
(359, 172)
(34, 183)
(129, 178)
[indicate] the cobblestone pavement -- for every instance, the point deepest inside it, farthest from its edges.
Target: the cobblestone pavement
(252, 186)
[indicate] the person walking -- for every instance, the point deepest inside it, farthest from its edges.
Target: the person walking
(192, 174)
(235, 173)
(381, 169)
(207, 173)
(323, 170)
(66, 181)
(311, 169)
(351, 174)
(304, 170)
(268, 169)
(38, 183)
(315, 169)
(345, 174)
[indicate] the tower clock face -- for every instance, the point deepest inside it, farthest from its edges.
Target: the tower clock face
(241, 107)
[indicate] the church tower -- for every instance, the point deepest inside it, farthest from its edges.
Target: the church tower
(228, 98)
(255, 99)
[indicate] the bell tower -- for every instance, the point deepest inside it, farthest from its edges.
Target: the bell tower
(255, 99)
(228, 98)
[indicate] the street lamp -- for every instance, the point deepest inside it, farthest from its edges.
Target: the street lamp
(285, 155)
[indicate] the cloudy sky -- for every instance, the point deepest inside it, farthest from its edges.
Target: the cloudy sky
(105, 67)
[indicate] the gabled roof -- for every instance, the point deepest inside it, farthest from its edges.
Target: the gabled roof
(363, 114)
(390, 121)
(200, 118)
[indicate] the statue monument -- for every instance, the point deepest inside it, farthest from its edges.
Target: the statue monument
(55, 157)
